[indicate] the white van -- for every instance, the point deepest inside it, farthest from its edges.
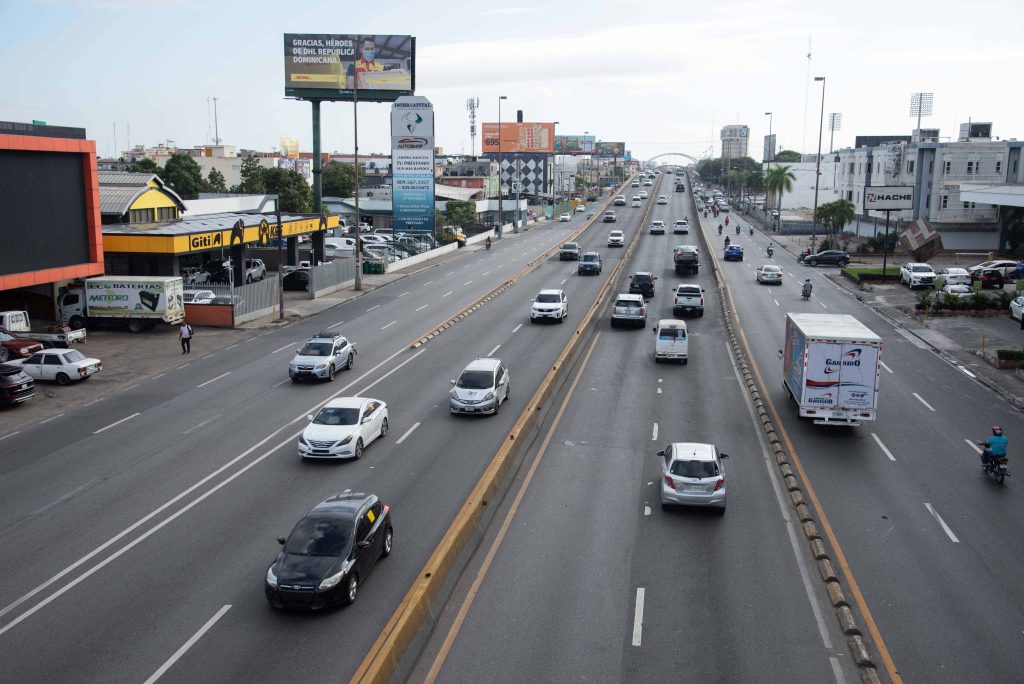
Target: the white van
(671, 342)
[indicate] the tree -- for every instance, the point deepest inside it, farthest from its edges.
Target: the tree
(755, 181)
(295, 193)
(787, 156)
(252, 177)
(836, 214)
(339, 180)
(460, 213)
(779, 180)
(146, 165)
(183, 175)
(215, 181)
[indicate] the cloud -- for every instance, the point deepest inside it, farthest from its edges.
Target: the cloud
(506, 11)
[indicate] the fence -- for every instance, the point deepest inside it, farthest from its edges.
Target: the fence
(249, 301)
(331, 277)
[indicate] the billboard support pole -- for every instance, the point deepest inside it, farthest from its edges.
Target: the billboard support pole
(519, 186)
(318, 170)
(358, 285)
(885, 247)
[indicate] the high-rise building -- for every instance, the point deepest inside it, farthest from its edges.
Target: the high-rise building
(734, 141)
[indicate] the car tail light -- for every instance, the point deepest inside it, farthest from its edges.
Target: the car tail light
(720, 483)
(670, 482)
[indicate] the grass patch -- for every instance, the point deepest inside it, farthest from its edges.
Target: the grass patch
(862, 273)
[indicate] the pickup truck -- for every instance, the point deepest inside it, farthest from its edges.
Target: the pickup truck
(687, 260)
(17, 325)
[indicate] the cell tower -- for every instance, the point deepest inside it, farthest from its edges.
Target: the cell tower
(472, 104)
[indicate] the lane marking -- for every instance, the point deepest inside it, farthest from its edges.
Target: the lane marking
(466, 283)
(974, 446)
(375, 306)
(883, 448)
(335, 325)
(389, 325)
(276, 385)
(231, 347)
(43, 422)
(484, 273)
(563, 281)
(205, 422)
(131, 387)
(188, 644)
(659, 390)
(157, 376)
(447, 293)
(115, 424)
(776, 301)
(208, 356)
(429, 282)
(515, 329)
(822, 304)
(251, 339)
(966, 372)
(423, 307)
(222, 375)
(654, 432)
(64, 498)
(402, 295)
(450, 273)
(183, 365)
(287, 346)
(494, 350)
(927, 405)
(407, 433)
(882, 364)
(16, 432)
(942, 523)
(638, 616)
(647, 510)
(913, 339)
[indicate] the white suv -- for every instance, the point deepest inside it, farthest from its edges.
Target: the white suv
(482, 387)
(321, 357)
(616, 239)
(629, 308)
(917, 275)
(549, 304)
(681, 226)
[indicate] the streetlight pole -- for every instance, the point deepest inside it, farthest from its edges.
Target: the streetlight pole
(554, 171)
(500, 193)
(768, 156)
(817, 170)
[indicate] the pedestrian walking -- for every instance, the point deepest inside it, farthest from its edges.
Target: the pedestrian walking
(185, 335)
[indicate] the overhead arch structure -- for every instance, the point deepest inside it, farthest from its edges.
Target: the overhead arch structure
(674, 154)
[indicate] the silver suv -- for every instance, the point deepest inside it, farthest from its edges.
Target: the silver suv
(321, 357)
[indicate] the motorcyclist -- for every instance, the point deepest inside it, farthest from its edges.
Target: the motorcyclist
(751, 231)
(726, 220)
(488, 243)
(726, 240)
(719, 228)
(771, 250)
(995, 446)
(807, 288)
(737, 229)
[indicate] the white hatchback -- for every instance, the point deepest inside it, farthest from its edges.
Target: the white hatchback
(662, 199)
(692, 475)
(482, 387)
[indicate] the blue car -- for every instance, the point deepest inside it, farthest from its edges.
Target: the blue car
(734, 253)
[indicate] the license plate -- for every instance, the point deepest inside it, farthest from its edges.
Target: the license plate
(694, 488)
(25, 386)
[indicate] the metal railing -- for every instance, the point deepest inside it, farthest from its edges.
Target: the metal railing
(329, 276)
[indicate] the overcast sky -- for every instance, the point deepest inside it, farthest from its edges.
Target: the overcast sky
(662, 75)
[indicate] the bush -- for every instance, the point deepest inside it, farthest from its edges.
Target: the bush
(924, 300)
(1010, 355)
(979, 301)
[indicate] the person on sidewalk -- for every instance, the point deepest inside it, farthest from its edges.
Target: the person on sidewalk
(185, 335)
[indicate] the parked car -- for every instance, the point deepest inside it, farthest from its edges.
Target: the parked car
(733, 253)
(192, 275)
(1005, 266)
(1017, 308)
(321, 356)
(770, 274)
(950, 293)
(629, 308)
(681, 226)
(198, 296)
(12, 347)
(329, 553)
(570, 251)
(642, 283)
(482, 387)
(657, 227)
(63, 366)
(828, 257)
(16, 386)
(989, 277)
(616, 239)
(549, 305)
(297, 280)
(590, 263)
(255, 269)
(689, 298)
(914, 274)
(955, 276)
(692, 475)
(565, 218)
(343, 428)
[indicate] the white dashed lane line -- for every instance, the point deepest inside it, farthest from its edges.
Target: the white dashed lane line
(334, 325)
(423, 307)
(654, 432)
(96, 432)
(287, 346)
(407, 433)
(882, 447)
(490, 353)
(638, 616)
(222, 375)
(447, 293)
(375, 306)
(882, 364)
(515, 329)
(389, 325)
(926, 404)
(942, 524)
(402, 295)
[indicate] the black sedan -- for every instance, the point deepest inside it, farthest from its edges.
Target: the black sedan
(297, 280)
(832, 257)
(330, 552)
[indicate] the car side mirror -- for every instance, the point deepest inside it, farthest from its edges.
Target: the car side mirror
(280, 540)
(363, 544)
(309, 418)
(654, 329)
(453, 382)
(367, 419)
(661, 453)
(723, 455)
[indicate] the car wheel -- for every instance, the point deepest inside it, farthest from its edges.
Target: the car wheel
(76, 323)
(384, 427)
(63, 379)
(136, 326)
(4, 354)
(351, 589)
(359, 449)
(813, 262)
(248, 280)
(497, 405)
(721, 511)
(330, 373)
(666, 506)
(295, 378)
(389, 540)
(351, 360)
(533, 320)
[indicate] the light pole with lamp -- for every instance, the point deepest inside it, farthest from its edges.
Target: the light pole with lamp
(817, 169)
(768, 155)
(554, 173)
(500, 191)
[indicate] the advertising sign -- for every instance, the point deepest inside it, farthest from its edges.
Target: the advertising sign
(574, 144)
(519, 138)
(610, 149)
(412, 164)
(888, 198)
(769, 148)
(332, 66)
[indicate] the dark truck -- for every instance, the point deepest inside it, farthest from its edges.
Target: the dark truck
(687, 260)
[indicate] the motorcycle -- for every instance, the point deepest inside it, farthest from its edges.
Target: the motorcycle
(995, 466)
(487, 245)
(751, 231)
(737, 230)
(726, 220)
(719, 228)
(806, 294)
(726, 240)
(771, 252)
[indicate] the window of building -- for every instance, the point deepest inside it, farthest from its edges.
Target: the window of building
(999, 165)
(1014, 167)
(851, 168)
(910, 166)
(849, 195)
(970, 168)
(140, 216)
(968, 205)
(945, 200)
(931, 167)
(166, 213)
(947, 166)
(927, 201)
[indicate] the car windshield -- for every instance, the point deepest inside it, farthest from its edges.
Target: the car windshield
(73, 355)
(317, 349)
(4, 337)
(671, 334)
(589, 257)
(315, 536)
(771, 269)
(477, 379)
(570, 245)
(337, 416)
(627, 304)
(638, 278)
(699, 469)
(549, 298)
(921, 269)
(688, 290)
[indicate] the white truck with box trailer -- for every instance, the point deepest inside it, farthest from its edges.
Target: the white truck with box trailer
(136, 302)
(831, 368)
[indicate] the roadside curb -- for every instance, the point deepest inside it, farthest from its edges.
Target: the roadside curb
(819, 551)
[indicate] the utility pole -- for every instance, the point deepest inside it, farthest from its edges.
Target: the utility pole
(817, 172)
(216, 128)
(501, 192)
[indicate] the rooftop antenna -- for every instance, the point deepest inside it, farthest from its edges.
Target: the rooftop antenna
(209, 120)
(471, 106)
(216, 129)
(921, 105)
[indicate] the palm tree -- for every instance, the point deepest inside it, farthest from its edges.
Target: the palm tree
(836, 214)
(754, 181)
(779, 180)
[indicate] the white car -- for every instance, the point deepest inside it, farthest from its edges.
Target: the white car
(616, 239)
(482, 387)
(549, 305)
(657, 227)
(692, 475)
(629, 308)
(681, 226)
(955, 276)
(565, 218)
(61, 365)
(950, 293)
(1017, 308)
(343, 428)
(769, 273)
(916, 275)
(1005, 266)
(581, 208)
(635, 203)
(662, 199)
(198, 296)
(642, 194)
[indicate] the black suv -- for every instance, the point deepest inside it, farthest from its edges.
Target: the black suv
(830, 257)
(570, 251)
(590, 262)
(642, 283)
(15, 385)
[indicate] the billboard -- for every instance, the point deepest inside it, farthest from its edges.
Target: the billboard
(332, 66)
(412, 165)
(574, 144)
(290, 148)
(610, 149)
(768, 153)
(519, 138)
(888, 198)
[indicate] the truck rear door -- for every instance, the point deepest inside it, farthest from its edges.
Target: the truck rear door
(858, 374)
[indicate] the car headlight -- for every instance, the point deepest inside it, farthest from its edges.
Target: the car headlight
(332, 581)
(489, 396)
(271, 577)
(302, 440)
(321, 366)
(345, 441)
